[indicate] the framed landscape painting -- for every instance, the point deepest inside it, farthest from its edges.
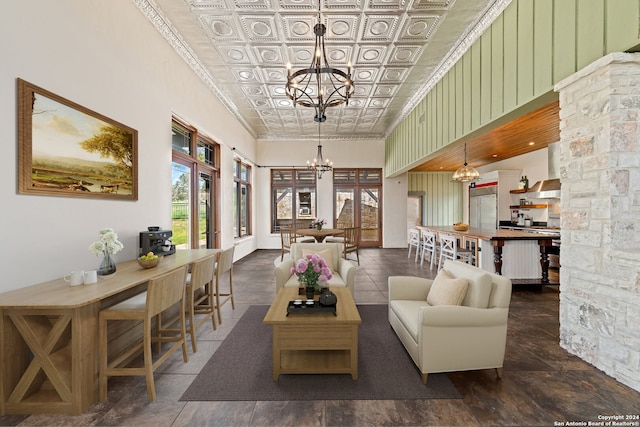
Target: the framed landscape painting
(67, 150)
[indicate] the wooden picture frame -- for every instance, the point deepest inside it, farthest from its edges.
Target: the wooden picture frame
(65, 149)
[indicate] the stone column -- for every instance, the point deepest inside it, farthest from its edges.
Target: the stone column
(600, 215)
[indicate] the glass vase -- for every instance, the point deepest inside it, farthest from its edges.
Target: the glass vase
(319, 227)
(107, 266)
(310, 290)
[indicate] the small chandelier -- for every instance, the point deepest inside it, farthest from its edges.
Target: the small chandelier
(319, 165)
(320, 86)
(465, 173)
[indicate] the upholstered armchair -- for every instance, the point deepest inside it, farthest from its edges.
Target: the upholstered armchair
(456, 322)
(344, 271)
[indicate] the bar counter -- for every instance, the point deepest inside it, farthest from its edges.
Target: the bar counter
(498, 238)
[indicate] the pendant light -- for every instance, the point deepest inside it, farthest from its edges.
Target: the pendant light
(465, 173)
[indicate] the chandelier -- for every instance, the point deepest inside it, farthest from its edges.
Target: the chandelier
(319, 165)
(465, 173)
(320, 86)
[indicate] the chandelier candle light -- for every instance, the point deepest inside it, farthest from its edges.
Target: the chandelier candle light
(320, 86)
(319, 165)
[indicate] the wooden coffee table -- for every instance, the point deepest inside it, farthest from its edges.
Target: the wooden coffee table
(317, 343)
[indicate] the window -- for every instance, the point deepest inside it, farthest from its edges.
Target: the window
(241, 198)
(293, 197)
(194, 175)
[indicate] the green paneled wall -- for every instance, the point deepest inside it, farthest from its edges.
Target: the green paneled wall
(438, 186)
(530, 47)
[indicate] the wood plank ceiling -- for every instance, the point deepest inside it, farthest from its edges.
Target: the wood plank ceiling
(530, 132)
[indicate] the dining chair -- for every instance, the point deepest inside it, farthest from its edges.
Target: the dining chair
(351, 242)
(224, 265)
(200, 296)
(163, 291)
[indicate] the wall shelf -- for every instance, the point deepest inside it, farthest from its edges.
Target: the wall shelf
(518, 191)
(537, 206)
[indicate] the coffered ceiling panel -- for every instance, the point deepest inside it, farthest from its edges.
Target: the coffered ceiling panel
(241, 49)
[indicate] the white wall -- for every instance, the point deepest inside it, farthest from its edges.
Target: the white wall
(107, 57)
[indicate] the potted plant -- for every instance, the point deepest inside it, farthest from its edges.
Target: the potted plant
(318, 223)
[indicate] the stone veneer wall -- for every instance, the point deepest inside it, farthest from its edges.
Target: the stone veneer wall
(600, 215)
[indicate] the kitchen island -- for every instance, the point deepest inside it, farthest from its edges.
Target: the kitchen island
(512, 252)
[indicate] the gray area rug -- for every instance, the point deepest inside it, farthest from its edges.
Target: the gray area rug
(241, 368)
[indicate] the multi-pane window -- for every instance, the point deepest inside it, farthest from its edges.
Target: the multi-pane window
(241, 198)
(293, 197)
(194, 175)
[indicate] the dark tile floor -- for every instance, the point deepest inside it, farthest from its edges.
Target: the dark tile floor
(542, 385)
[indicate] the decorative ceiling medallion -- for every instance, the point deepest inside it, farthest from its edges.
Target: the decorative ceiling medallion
(220, 28)
(380, 28)
(259, 28)
(268, 55)
(418, 28)
(371, 55)
(297, 28)
(341, 27)
(405, 55)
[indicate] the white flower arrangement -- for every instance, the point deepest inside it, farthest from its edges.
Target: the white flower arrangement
(108, 244)
(315, 222)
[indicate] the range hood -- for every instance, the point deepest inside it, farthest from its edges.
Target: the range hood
(547, 189)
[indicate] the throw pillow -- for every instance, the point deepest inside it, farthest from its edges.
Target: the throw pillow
(325, 254)
(446, 290)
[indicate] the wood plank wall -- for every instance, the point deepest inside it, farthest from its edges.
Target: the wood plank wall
(530, 47)
(443, 197)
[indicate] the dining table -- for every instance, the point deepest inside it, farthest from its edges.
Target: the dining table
(320, 234)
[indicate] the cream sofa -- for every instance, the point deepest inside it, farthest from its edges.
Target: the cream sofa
(448, 338)
(344, 271)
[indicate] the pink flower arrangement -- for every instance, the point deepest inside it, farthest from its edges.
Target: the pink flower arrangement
(313, 271)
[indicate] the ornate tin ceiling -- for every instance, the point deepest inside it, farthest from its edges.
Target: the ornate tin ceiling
(399, 49)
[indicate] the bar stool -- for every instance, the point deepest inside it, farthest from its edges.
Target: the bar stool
(200, 296)
(428, 244)
(163, 292)
(414, 242)
(449, 249)
(224, 264)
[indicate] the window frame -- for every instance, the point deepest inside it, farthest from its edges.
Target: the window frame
(296, 185)
(196, 167)
(239, 183)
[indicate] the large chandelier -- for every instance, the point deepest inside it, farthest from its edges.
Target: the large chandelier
(319, 165)
(320, 86)
(465, 173)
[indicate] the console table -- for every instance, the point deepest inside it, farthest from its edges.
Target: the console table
(48, 337)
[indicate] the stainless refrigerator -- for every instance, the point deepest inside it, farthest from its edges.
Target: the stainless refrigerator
(483, 207)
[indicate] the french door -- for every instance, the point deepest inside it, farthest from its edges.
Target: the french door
(358, 203)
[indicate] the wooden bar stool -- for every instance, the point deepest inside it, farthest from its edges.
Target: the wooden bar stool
(163, 292)
(200, 296)
(414, 242)
(428, 245)
(449, 249)
(224, 264)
